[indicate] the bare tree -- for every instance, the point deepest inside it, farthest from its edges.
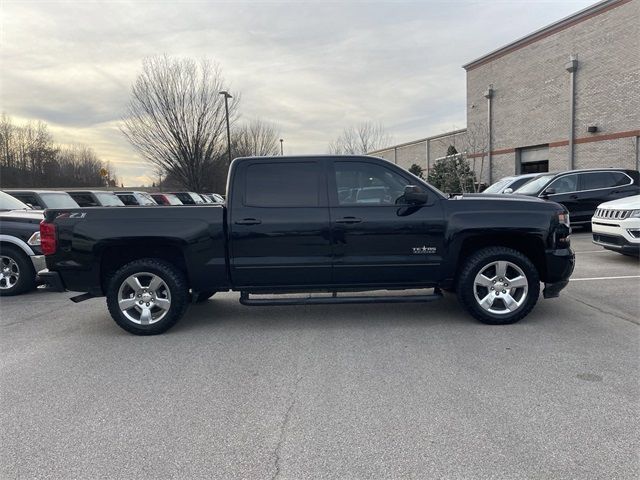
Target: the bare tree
(176, 118)
(359, 139)
(255, 138)
(476, 143)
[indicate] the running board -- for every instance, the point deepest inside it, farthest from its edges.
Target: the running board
(245, 299)
(82, 298)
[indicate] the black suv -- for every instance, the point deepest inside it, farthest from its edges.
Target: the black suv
(95, 198)
(581, 191)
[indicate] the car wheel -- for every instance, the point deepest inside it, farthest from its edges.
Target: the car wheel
(16, 272)
(498, 286)
(147, 296)
(204, 296)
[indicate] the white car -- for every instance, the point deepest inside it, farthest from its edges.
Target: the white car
(616, 225)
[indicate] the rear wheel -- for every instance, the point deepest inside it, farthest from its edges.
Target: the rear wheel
(147, 296)
(498, 286)
(17, 274)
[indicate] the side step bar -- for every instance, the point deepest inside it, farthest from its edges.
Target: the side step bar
(245, 299)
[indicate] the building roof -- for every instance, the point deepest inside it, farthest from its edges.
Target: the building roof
(555, 27)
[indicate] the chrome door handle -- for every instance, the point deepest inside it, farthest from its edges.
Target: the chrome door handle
(248, 221)
(349, 220)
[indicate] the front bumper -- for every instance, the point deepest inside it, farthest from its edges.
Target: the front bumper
(52, 279)
(560, 264)
(617, 243)
(38, 262)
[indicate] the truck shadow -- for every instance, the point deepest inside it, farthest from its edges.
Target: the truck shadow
(225, 312)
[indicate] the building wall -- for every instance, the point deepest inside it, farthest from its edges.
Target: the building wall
(531, 94)
(423, 152)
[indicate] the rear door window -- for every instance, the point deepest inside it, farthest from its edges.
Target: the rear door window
(282, 184)
(596, 180)
(127, 199)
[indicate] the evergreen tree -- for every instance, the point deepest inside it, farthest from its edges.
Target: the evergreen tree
(452, 174)
(417, 170)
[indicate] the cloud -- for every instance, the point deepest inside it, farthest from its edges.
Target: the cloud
(312, 68)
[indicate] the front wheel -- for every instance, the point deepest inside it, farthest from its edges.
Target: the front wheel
(147, 296)
(499, 285)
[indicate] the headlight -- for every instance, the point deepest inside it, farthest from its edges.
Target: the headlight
(635, 214)
(34, 239)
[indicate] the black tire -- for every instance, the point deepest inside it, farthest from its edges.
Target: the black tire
(18, 262)
(204, 296)
(480, 260)
(175, 282)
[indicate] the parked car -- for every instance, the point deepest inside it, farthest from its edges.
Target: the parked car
(20, 254)
(205, 198)
(217, 198)
(166, 199)
(8, 202)
(95, 198)
(616, 225)
(285, 229)
(41, 199)
(135, 198)
(189, 198)
(509, 184)
(581, 191)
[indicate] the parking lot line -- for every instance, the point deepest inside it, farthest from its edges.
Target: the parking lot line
(603, 278)
(593, 251)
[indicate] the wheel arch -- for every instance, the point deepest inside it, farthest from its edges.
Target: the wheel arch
(115, 255)
(530, 246)
(10, 240)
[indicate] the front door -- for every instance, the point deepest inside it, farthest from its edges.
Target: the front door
(279, 224)
(377, 238)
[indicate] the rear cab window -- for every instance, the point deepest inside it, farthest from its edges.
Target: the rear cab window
(282, 184)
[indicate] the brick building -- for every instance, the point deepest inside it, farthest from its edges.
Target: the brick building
(566, 96)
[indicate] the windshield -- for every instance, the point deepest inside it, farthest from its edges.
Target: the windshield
(535, 185)
(58, 200)
(146, 199)
(109, 199)
(498, 186)
(7, 202)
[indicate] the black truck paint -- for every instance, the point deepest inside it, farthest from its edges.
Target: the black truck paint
(330, 224)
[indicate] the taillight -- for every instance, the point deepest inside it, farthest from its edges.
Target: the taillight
(48, 242)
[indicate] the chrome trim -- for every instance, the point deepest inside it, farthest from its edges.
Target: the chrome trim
(39, 262)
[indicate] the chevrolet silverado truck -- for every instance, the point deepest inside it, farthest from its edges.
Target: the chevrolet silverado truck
(323, 225)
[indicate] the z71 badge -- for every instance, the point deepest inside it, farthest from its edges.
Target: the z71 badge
(423, 250)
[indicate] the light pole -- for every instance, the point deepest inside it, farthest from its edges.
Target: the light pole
(281, 147)
(227, 96)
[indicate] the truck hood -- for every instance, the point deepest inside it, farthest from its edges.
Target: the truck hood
(500, 197)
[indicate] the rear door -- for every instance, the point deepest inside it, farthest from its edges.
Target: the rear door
(600, 187)
(377, 238)
(279, 224)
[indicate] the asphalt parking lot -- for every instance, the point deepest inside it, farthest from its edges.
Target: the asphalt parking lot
(345, 391)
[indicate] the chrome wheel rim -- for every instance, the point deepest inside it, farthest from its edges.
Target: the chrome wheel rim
(500, 287)
(144, 298)
(9, 272)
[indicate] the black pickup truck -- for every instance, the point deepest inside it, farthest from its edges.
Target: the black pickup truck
(313, 224)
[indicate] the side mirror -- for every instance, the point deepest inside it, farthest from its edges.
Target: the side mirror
(549, 191)
(415, 195)
(508, 190)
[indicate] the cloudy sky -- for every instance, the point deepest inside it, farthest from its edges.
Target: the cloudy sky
(311, 67)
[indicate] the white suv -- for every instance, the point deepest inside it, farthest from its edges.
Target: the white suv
(616, 225)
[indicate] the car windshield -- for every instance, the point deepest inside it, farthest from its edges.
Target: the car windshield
(534, 186)
(109, 199)
(498, 186)
(58, 200)
(146, 199)
(7, 202)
